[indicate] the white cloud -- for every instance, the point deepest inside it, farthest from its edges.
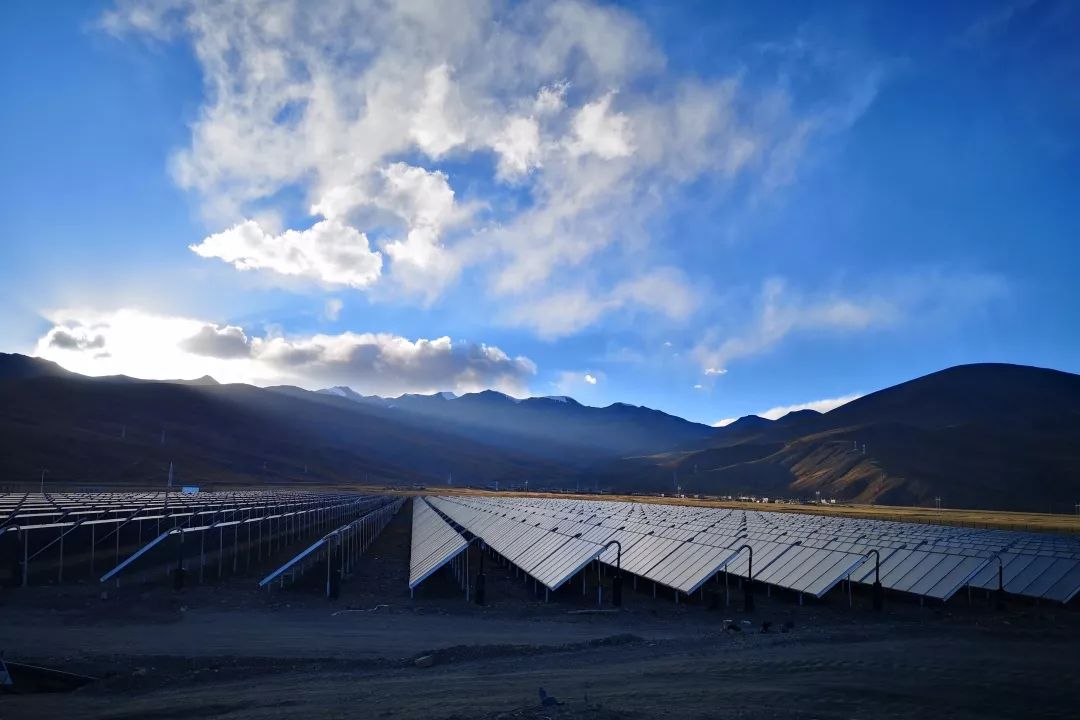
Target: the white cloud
(437, 126)
(577, 382)
(152, 346)
(775, 413)
(518, 146)
(933, 296)
(601, 132)
(328, 252)
(551, 99)
(663, 292)
(332, 309)
(421, 204)
(326, 97)
(823, 406)
(780, 313)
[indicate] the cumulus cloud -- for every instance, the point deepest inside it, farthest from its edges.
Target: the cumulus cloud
(328, 252)
(572, 98)
(75, 338)
(600, 131)
(391, 363)
(420, 205)
(224, 341)
(590, 379)
(518, 146)
(160, 347)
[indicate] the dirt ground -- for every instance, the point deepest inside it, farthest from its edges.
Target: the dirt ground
(229, 651)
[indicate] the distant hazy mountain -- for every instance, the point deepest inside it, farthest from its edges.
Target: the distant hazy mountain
(555, 424)
(1000, 436)
(93, 430)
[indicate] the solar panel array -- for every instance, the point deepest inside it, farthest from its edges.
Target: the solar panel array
(348, 542)
(434, 543)
(34, 511)
(120, 528)
(682, 547)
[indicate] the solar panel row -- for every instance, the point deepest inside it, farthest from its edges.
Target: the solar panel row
(550, 554)
(434, 543)
(47, 534)
(682, 547)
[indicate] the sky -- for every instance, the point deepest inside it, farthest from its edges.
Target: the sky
(710, 208)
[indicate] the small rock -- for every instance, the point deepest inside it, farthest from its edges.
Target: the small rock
(548, 700)
(424, 661)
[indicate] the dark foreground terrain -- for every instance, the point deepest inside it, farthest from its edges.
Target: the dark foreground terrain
(231, 652)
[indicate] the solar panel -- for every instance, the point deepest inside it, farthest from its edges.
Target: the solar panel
(682, 547)
(434, 543)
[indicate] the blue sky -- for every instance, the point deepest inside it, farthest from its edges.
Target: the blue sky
(710, 208)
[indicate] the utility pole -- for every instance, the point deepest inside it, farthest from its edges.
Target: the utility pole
(937, 502)
(168, 488)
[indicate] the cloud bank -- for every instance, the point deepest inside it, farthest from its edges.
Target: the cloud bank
(162, 347)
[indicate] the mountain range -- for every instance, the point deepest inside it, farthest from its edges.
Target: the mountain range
(985, 436)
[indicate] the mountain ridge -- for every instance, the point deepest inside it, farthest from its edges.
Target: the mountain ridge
(987, 435)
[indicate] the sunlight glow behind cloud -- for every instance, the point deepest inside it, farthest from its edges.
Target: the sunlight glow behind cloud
(159, 347)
